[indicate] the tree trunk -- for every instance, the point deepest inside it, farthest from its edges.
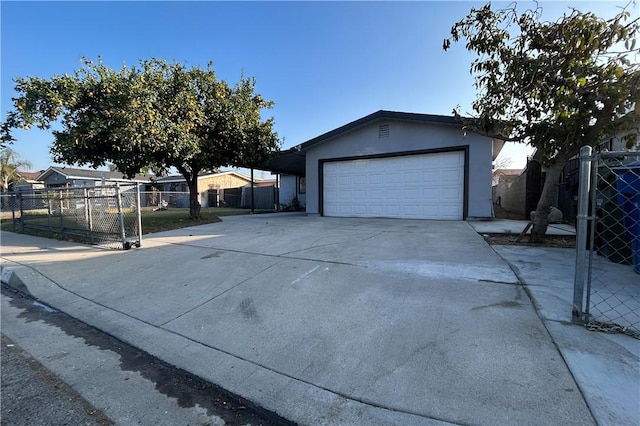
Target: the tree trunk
(194, 204)
(191, 177)
(549, 191)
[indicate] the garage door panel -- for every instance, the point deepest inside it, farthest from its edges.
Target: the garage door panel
(330, 181)
(429, 176)
(360, 179)
(449, 176)
(345, 196)
(393, 178)
(360, 196)
(424, 186)
(391, 211)
(451, 196)
(412, 177)
(375, 195)
(410, 194)
(344, 180)
(376, 178)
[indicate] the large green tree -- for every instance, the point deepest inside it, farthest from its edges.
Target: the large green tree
(10, 163)
(156, 115)
(556, 85)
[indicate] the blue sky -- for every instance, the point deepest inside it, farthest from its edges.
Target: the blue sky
(323, 63)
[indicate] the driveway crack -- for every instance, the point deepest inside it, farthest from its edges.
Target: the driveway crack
(308, 248)
(374, 235)
(277, 256)
(220, 294)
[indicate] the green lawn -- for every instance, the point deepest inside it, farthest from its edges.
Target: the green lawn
(175, 218)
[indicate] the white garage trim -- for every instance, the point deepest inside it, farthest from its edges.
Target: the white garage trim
(416, 186)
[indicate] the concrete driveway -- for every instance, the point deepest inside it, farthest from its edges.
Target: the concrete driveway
(324, 320)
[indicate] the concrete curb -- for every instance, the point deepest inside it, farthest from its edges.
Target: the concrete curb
(10, 278)
(289, 397)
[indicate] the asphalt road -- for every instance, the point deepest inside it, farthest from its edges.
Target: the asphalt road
(111, 382)
(33, 396)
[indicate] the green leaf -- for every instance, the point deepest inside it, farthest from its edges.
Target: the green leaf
(153, 115)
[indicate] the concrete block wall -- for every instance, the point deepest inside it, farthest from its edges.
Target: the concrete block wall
(512, 194)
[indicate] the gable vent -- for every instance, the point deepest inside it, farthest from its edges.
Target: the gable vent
(383, 131)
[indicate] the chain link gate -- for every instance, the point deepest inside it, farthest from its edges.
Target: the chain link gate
(102, 215)
(607, 272)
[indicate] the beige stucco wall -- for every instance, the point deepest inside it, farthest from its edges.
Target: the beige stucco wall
(512, 194)
(220, 182)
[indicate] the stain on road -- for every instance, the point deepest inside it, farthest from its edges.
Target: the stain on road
(188, 389)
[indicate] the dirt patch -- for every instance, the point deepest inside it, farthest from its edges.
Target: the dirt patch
(557, 241)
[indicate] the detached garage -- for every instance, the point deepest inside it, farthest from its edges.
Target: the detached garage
(399, 165)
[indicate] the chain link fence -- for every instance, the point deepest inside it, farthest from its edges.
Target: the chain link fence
(163, 199)
(107, 215)
(8, 205)
(607, 275)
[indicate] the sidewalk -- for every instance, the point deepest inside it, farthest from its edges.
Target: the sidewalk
(355, 354)
(606, 366)
(507, 226)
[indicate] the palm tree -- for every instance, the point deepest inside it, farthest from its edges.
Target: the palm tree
(10, 162)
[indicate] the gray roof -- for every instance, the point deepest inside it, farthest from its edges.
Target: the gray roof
(180, 178)
(292, 161)
(73, 173)
(29, 175)
(382, 115)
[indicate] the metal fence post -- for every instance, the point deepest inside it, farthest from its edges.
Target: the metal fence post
(139, 215)
(593, 192)
(90, 210)
(121, 217)
(21, 212)
(581, 233)
(13, 211)
(61, 215)
(49, 196)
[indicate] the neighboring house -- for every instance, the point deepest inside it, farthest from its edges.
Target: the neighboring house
(508, 189)
(210, 185)
(568, 186)
(618, 142)
(27, 183)
(210, 181)
(504, 175)
(61, 177)
(393, 164)
(521, 194)
(511, 190)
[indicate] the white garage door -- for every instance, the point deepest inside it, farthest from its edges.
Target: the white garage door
(425, 186)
